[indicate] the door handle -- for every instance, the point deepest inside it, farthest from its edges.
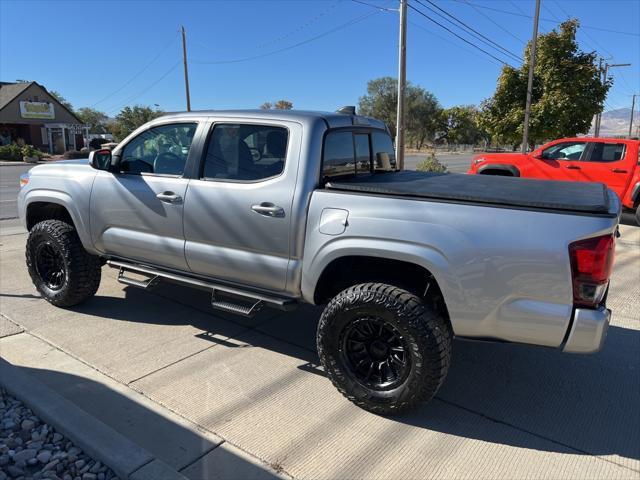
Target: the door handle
(573, 167)
(268, 209)
(169, 197)
(618, 170)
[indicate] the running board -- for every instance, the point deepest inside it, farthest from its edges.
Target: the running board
(248, 305)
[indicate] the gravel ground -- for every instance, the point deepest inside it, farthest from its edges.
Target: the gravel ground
(31, 449)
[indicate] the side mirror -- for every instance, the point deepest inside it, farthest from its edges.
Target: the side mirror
(537, 155)
(100, 159)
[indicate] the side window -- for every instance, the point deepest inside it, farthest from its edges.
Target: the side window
(384, 156)
(245, 152)
(162, 150)
(564, 151)
(363, 153)
(606, 152)
(339, 155)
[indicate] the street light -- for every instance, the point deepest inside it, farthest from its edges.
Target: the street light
(604, 79)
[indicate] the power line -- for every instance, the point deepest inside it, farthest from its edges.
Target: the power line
(375, 6)
(460, 37)
(468, 50)
(295, 45)
(586, 34)
(137, 74)
(478, 35)
(494, 22)
(633, 34)
(142, 92)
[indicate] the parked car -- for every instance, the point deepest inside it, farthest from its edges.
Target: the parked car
(612, 161)
(279, 208)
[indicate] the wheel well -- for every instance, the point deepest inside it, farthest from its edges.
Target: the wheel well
(496, 172)
(39, 211)
(347, 271)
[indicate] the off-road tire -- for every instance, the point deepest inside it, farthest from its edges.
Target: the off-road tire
(423, 328)
(638, 215)
(81, 270)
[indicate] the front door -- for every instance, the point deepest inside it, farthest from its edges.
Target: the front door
(610, 163)
(137, 212)
(237, 211)
(561, 161)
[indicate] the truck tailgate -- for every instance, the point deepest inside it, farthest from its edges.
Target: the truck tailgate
(578, 197)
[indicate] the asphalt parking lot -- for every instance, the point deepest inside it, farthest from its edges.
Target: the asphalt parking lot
(505, 411)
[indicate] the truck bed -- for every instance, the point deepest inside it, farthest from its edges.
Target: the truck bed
(570, 197)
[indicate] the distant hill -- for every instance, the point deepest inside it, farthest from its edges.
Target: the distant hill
(616, 122)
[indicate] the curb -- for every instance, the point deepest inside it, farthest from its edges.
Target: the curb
(127, 459)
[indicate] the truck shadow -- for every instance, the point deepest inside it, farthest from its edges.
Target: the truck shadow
(579, 404)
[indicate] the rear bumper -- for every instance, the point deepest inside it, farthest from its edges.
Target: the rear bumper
(588, 331)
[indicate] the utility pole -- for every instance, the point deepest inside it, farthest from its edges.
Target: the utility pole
(186, 72)
(402, 83)
(604, 79)
(532, 65)
(633, 105)
(596, 117)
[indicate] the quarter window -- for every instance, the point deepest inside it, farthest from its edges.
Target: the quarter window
(339, 156)
(384, 156)
(245, 152)
(350, 153)
(161, 150)
(606, 152)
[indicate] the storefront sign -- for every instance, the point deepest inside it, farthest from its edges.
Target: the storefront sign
(37, 110)
(75, 128)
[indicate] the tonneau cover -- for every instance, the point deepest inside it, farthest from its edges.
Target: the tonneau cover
(581, 197)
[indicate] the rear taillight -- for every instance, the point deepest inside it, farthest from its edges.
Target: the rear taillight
(591, 264)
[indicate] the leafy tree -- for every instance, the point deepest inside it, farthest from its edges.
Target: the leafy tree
(462, 125)
(131, 118)
(423, 113)
(283, 105)
(58, 96)
(96, 120)
(567, 91)
(266, 106)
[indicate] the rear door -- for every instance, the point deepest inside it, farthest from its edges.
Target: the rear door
(608, 162)
(237, 217)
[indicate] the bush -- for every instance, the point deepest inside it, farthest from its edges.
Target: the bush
(11, 152)
(74, 154)
(431, 164)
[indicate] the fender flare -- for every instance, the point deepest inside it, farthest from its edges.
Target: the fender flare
(497, 166)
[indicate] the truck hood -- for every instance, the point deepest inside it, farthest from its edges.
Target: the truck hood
(512, 158)
(61, 167)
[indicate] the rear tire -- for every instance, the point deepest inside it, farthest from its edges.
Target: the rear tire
(60, 268)
(383, 348)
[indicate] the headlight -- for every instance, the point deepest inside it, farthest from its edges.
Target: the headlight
(478, 160)
(24, 179)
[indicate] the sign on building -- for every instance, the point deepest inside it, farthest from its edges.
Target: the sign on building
(37, 110)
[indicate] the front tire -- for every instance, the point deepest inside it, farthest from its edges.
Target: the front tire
(383, 348)
(61, 269)
(638, 215)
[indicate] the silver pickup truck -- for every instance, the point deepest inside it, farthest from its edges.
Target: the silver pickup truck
(276, 208)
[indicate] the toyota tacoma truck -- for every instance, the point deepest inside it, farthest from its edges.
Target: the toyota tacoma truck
(612, 161)
(276, 208)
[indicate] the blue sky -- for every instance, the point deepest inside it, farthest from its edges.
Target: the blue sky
(110, 54)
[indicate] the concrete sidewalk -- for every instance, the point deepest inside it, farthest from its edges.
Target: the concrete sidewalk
(506, 411)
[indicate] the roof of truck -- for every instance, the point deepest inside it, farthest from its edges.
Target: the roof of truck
(333, 119)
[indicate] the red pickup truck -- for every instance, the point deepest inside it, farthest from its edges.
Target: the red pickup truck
(614, 162)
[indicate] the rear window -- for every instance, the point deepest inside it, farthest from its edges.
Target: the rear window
(607, 152)
(356, 152)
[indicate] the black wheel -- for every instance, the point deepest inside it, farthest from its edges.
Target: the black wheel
(638, 215)
(60, 268)
(383, 347)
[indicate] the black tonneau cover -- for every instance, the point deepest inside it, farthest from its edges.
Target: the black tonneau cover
(580, 197)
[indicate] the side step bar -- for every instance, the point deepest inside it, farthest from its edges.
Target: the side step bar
(248, 304)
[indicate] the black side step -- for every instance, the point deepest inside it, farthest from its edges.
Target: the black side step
(248, 303)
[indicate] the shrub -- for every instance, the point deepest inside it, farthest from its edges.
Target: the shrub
(431, 164)
(74, 154)
(11, 152)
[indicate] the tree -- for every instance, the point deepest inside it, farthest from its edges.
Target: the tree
(567, 91)
(266, 106)
(462, 125)
(58, 96)
(96, 120)
(283, 105)
(423, 117)
(131, 118)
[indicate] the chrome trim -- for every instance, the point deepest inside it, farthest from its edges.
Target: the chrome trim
(588, 331)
